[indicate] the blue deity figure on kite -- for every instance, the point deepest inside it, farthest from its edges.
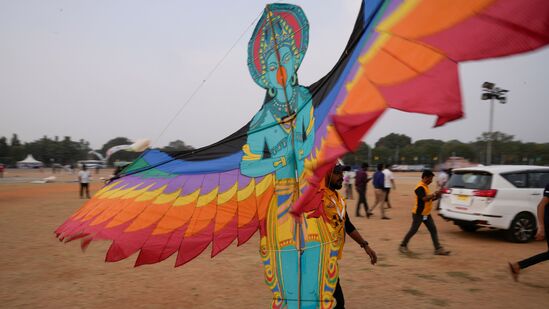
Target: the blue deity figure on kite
(281, 134)
(280, 139)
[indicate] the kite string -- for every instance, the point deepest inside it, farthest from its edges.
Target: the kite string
(217, 65)
(197, 89)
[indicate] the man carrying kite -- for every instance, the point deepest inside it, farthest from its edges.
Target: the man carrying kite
(335, 213)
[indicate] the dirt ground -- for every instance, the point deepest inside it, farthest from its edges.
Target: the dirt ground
(37, 271)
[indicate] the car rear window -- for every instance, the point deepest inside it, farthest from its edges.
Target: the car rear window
(470, 180)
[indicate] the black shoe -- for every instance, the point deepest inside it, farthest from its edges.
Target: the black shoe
(385, 218)
(442, 251)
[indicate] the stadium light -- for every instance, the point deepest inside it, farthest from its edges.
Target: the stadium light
(491, 92)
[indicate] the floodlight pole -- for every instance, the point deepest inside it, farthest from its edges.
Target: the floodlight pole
(490, 129)
(491, 92)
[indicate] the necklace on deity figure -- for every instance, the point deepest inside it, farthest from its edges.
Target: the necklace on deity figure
(279, 108)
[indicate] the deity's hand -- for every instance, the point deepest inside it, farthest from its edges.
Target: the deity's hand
(280, 163)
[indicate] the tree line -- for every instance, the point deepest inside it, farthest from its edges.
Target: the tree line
(399, 149)
(391, 149)
(65, 151)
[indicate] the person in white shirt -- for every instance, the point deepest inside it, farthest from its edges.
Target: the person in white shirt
(348, 180)
(84, 180)
(442, 178)
(388, 185)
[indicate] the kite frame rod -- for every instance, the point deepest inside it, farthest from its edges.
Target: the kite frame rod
(297, 191)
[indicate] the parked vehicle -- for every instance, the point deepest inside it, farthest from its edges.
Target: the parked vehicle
(92, 164)
(497, 196)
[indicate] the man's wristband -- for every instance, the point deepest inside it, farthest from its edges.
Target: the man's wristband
(364, 244)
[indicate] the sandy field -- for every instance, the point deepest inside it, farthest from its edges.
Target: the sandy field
(37, 271)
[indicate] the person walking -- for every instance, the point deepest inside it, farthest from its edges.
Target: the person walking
(361, 180)
(543, 224)
(348, 184)
(379, 189)
(421, 213)
(388, 183)
(442, 178)
(84, 180)
(335, 210)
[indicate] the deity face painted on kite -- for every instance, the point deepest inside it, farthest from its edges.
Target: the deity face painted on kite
(277, 47)
(279, 74)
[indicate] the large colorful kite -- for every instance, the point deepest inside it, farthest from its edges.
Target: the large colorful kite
(267, 175)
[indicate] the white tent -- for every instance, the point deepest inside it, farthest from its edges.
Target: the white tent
(29, 162)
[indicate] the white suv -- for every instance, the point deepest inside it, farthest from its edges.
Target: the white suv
(497, 196)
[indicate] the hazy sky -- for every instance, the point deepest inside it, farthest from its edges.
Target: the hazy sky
(101, 69)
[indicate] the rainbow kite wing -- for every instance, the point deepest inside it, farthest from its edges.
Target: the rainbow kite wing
(404, 55)
(164, 204)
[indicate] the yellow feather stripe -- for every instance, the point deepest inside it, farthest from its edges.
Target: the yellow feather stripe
(264, 184)
(106, 188)
(136, 193)
(120, 192)
(373, 50)
(108, 193)
(224, 197)
(187, 199)
(165, 198)
(403, 9)
(149, 195)
(350, 85)
(246, 192)
(206, 199)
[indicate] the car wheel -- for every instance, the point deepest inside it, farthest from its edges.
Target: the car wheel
(522, 229)
(468, 227)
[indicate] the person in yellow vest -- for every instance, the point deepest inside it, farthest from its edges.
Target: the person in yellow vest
(335, 211)
(422, 213)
